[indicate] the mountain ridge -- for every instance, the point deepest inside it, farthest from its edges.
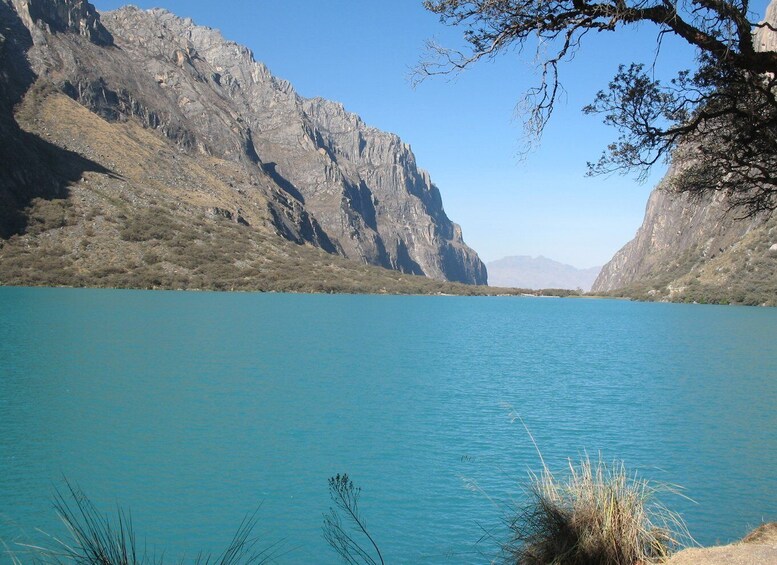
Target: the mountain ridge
(695, 249)
(524, 271)
(309, 171)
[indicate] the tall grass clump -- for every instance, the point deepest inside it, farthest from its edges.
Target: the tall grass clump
(95, 540)
(597, 514)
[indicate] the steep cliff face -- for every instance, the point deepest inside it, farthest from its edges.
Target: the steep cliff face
(27, 161)
(322, 176)
(698, 248)
(695, 249)
(391, 195)
(56, 16)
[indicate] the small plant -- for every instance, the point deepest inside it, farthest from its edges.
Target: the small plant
(597, 515)
(345, 539)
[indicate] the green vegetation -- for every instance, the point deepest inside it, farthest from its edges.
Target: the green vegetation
(45, 215)
(165, 245)
(118, 225)
(153, 223)
(742, 294)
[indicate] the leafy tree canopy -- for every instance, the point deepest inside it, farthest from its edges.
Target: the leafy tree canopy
(721, 116)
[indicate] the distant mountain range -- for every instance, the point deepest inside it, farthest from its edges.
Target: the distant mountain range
(523, 271)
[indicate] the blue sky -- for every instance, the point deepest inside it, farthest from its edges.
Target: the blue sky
(462, 129)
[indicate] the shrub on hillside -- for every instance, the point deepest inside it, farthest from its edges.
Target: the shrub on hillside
(45, 215)
(149, 224)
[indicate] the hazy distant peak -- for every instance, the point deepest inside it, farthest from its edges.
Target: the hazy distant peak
(524, 271)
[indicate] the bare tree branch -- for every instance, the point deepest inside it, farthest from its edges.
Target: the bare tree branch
(726, 108)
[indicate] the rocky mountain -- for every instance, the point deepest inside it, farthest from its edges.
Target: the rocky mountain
(692, 248)
(123, 114)
(695, 249)
(539, 272)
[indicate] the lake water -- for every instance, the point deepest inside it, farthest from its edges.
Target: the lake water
(193, 409)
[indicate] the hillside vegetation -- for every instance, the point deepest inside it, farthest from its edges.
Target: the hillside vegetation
(154, 220)
(144, 215)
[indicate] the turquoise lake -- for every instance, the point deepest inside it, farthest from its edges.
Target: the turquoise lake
(193, 409)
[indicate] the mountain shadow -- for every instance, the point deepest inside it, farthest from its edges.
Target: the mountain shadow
(32, 167)
(272, 170)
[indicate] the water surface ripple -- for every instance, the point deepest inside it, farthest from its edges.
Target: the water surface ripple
(192, 409)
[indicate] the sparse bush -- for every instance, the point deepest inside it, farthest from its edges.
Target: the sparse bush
(108, 270)
(345, 529)
(45, 215)
(151, 258)
(148, 224)
(598, 515)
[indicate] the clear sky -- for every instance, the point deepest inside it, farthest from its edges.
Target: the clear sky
(463, 130)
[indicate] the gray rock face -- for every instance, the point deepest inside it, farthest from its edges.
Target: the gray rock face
(24, 173)
(330, 179)
(57, 16)
(380, 180)
(766, 39)
(675, 225)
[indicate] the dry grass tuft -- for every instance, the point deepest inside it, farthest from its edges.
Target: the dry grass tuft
(597, 515)
(95, 540)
